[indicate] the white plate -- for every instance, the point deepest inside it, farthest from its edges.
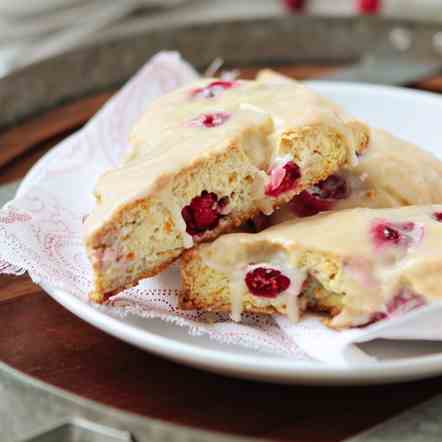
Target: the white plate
(412, 115)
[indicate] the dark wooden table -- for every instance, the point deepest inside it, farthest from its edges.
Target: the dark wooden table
(41, 338)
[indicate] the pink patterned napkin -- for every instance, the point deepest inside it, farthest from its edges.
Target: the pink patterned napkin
(41, 233)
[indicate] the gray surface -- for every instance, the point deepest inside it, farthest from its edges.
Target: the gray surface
(260, 42)
(33, 411)
(7, 192)
(419, 424)
(389, 71)
(78, 430)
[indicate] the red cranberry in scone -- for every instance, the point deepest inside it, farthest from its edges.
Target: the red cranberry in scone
(266, 282)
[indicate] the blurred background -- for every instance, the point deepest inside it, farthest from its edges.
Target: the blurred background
(36, 29)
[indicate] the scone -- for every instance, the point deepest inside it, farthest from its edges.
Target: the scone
(359, 265)
(390, 173)
(204, 159)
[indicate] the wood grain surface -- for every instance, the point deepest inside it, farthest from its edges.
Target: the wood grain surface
(44, 340)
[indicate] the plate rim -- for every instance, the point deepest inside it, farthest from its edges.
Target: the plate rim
(271, 368)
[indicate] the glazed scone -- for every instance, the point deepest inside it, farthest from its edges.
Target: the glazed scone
(390, 173)
(360, 265)
(377, 180)
(204, 159)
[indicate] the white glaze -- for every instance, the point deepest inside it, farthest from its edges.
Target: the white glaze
(372, 275)
(163, 143)
(390, 173)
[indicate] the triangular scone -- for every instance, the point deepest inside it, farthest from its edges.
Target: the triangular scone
(390, 173)
(359, 265)
(204, 159)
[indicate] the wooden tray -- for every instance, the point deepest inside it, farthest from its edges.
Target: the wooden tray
(42, 339)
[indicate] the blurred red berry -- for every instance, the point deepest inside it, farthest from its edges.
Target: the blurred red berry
(283, 179)
(369, 6)
(293, 5)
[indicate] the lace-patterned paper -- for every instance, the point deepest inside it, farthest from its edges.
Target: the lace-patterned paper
(41, 233)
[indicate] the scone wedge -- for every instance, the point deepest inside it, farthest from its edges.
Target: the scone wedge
(357, 265)
(389, 173)
(204, 159)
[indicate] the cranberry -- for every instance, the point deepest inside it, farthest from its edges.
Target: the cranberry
(259, 222)
(307, 204)
(437, 216)
(320, 197)
(203, 213)
(294, 5)
(266, 282)
(334, 187)
(385, 233)
(210, 120)
(369, 6)
(283, 179)
(213, 89)
(256, 224)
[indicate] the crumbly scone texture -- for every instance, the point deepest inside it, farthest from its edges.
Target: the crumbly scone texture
(148, 247)
(205, 288)
(358, 265)
(377, 180)
(137, 230)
